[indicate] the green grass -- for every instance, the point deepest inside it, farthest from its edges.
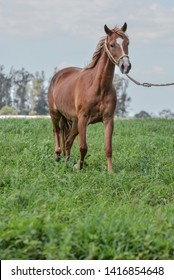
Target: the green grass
(50, 210)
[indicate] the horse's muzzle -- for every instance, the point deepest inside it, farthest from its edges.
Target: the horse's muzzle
(124, 65)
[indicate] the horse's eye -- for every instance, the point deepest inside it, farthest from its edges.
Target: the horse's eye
(112, 45)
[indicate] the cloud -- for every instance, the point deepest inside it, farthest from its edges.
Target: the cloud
(26, 18)
(153, 22)
(148, 20)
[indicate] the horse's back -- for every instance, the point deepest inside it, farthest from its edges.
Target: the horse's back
(65, 73)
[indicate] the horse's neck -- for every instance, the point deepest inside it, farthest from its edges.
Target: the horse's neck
(104, 71)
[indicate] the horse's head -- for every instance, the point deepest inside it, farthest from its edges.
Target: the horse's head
(116, 46)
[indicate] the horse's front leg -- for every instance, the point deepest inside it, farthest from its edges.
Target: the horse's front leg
(109, 127)
(82, 126)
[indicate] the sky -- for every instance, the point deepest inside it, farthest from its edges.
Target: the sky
(47, 34)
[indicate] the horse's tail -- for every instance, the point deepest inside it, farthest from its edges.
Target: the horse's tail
(65, 126)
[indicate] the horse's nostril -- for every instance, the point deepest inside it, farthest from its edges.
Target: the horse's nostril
(124, 65)
(122, 68)
(129, 67)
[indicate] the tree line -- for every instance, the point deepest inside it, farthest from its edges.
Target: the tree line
(24, 93)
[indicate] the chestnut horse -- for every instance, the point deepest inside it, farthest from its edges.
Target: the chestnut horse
(79, 97)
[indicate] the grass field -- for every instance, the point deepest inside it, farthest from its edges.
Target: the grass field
(51, 210)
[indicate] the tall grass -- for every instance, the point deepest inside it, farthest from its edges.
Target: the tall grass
(51, 210)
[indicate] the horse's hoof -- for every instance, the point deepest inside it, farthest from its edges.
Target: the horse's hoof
(77, 166)
(57, 157)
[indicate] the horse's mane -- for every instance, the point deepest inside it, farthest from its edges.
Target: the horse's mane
(99, 48)
(96, 55)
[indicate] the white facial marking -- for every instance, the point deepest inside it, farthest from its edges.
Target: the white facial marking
(120, 43)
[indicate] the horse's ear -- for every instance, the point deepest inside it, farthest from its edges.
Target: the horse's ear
(107, 30)
(124, 27)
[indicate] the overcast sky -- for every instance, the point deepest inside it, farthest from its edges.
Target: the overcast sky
(44, 34)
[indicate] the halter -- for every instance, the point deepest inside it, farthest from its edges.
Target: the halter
(112, 59)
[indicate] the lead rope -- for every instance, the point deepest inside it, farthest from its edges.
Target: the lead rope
(112, 59)
(116, 62)
(149, 84)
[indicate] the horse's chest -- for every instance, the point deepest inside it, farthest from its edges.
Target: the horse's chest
(97, 110)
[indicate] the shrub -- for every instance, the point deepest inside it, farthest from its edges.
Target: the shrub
(7, 110)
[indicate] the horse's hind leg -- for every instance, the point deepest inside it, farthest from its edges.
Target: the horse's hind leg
(56, 131)
(62, 135)
(82, 126)
(70, 139)
(57, 146)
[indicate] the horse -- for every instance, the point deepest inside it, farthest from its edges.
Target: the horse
(78, 97)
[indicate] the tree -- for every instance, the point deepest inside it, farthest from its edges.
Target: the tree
(38, 95)
(166, 113)
(22, 79)
(5, 88)
(123, 101)
(142, 114)
(42, 104)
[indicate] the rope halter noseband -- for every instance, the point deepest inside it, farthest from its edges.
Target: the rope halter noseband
(113, 59)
